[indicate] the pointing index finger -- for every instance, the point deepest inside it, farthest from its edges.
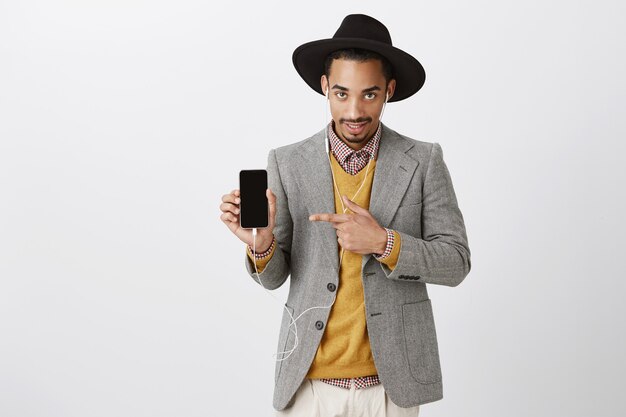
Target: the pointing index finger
(329, 217)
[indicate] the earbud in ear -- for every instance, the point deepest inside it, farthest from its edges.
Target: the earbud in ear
(326, 92)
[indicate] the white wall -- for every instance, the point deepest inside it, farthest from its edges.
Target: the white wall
(122, 124)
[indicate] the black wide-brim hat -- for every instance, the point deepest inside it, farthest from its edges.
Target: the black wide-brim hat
(360, 31)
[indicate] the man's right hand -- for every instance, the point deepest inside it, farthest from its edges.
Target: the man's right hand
(230, 217)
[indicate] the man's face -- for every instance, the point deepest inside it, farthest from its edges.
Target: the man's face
(357, 94)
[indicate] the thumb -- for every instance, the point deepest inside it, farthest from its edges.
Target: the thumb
(271, 199)
(353, 206)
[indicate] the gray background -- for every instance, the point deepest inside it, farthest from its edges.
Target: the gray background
(122, 123)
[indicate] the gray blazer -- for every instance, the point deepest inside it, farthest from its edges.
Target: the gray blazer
(412, 193)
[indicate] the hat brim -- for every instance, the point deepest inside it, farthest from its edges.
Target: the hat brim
(308, 59)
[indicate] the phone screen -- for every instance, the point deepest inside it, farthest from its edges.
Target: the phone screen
(254, 208)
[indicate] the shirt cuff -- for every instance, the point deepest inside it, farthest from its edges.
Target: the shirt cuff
(392, 260)
(389, 247)
(263, 254)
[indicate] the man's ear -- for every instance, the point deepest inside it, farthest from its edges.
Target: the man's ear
(324, 83)
(391, 87)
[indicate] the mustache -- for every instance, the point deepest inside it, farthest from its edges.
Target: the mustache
(366, 119)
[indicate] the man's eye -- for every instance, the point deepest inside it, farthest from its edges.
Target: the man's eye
(339, 94)
(372, 95)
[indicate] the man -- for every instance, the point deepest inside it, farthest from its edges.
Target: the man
(361, 218)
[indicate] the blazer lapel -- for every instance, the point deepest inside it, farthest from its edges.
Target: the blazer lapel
(317, 184)
(394, 170)
(393, 173)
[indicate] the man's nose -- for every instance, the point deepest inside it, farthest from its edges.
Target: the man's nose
(355, 109)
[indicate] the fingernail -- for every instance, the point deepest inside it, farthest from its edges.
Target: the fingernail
(237, 200)
(237, 211)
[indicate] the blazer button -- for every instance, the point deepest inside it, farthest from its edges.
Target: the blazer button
(319, 325)
(331, 287)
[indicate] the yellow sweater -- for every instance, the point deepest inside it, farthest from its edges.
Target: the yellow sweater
(344, 351)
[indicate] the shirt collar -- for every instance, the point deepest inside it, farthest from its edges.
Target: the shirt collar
(343, 151)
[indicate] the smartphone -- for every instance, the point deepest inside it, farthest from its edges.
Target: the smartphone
(253, 207)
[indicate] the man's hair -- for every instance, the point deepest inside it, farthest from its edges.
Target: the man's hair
(360, 55)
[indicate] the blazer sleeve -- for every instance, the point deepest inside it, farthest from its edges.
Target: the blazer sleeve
(276, 271)
(442, 255)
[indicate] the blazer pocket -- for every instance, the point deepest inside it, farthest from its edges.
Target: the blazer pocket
(420, 340)
(285, 334)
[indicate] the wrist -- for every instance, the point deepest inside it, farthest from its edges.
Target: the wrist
(388, 245)
(262, 245)
(382, 242)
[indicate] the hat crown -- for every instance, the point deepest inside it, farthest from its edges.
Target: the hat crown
(363, 26)
(363, 32)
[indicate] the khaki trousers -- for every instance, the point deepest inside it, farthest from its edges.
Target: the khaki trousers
(315, 398)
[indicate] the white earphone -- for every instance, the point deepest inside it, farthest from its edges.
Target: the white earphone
(254, 232)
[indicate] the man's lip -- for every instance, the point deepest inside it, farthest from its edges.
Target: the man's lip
(357, 130)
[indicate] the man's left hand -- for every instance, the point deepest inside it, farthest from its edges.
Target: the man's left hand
(357, 232)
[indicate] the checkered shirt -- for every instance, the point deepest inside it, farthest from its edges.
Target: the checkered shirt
(359, 382)
(350, 160)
